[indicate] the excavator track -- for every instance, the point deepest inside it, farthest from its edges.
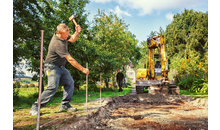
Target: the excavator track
(157, 87)
(161, 89)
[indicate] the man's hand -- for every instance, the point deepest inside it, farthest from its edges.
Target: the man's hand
(74, 63)
(76, 34)
(85, 71)
(78, 29)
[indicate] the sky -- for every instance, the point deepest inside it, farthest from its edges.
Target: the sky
(144, 16)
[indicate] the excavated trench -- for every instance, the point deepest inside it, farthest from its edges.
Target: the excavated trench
(145, 111)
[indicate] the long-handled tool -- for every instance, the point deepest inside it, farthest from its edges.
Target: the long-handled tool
(40, 83)
(71, 18)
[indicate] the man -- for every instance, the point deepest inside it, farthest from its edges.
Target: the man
(120, 79)
(55, 70)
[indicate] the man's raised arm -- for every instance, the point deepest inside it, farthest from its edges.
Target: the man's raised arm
(76, 34)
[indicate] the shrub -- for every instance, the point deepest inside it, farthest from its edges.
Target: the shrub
(25, 86)
(199, 85)
(187, 83)
(16, 84)
(204, 88)
(92, 87)
(15, 92)
(31, 85)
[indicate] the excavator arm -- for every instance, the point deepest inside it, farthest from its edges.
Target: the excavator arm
(152, 44)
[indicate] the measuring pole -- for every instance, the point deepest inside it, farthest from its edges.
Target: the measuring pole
(86, 86)
(40, 82)
(100, 88)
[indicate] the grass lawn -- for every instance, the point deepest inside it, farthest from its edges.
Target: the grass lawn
(194, 94)
(22, 105)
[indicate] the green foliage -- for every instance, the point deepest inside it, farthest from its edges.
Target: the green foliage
(111, 46)
(199, 85)
(186, 84)
(106, 46)
(93, 87)
(204, 89)
(186, 44)
(187, 50)
(31, 85)
(16, 87)
(15, 94)
(25, 86)
(187, 32)
(16, 84)
(27, 23)
(192, 73)
(194, 94)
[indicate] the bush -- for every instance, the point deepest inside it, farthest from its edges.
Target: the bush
(187, 83)
(31, 85)
(16, 84)
(15, 94)
(25, 86)
(199, 85)
(93, 87)
(204, 88)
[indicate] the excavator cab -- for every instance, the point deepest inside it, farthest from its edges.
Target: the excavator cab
(157, 70)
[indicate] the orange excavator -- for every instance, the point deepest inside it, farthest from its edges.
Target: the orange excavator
(155, 76)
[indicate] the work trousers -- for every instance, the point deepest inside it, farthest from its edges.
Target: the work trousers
(120, 85)
(55, 76)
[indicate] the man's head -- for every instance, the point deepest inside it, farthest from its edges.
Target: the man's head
(63, 31)
(118, 70)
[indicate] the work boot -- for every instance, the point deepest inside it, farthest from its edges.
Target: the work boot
(69, 109)
(34, 110)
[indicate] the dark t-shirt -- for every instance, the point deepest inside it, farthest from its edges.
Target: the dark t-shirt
(57, 51)
(120, 76)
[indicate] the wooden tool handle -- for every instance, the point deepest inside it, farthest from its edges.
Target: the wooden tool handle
(74, 22)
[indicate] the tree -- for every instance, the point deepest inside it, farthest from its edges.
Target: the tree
(105, 46)
(31, 16)
(188, 32)
(187, 46)
(27, 24)
(114, 47)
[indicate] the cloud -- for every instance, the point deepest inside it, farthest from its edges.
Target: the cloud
(150, 6)
(120, 12)
(101, 1)
(169, 16)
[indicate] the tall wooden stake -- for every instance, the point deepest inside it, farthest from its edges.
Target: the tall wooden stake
(40, 82)
(86, 86)
(100, 88)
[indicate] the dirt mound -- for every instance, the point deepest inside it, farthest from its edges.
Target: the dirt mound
(146, 111)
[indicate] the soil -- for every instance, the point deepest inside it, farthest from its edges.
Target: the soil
(141, 112)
